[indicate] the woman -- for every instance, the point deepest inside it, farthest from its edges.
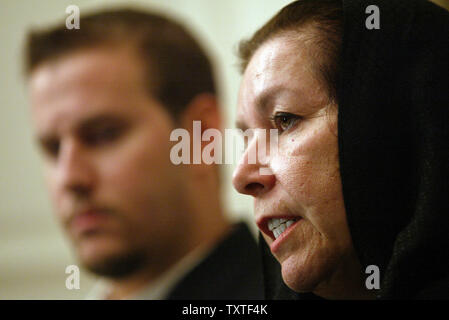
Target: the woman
(359, 184)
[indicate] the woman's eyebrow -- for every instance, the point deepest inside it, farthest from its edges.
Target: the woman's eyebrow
(264, 102)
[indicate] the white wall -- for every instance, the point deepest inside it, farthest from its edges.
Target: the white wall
(33, 251)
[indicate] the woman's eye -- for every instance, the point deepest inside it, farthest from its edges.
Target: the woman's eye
(284, 121)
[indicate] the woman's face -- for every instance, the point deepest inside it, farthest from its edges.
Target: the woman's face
(279, 90)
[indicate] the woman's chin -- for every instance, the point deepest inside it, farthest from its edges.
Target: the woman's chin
(297, 277)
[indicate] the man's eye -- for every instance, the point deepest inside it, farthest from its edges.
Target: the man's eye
(51, 147)
(284, 121)
(102, 135)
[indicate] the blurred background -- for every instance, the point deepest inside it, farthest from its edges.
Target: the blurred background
(33, 251)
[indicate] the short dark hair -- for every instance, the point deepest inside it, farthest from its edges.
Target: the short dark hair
(177, 66)
(323, 19)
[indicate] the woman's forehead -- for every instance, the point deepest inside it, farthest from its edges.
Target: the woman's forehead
(279, 62)
(279, 71)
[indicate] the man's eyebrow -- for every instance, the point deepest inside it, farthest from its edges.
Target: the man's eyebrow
(43, 139)
(241, 125)
(95, 121)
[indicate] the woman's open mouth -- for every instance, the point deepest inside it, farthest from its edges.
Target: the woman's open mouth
(278, 226)
(281, 229)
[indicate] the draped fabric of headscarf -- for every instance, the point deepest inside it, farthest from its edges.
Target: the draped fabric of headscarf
(393, 124)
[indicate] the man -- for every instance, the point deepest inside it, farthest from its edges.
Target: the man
(105, 99)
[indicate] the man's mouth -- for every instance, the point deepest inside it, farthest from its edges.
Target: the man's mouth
(278, 226)
(88, 221)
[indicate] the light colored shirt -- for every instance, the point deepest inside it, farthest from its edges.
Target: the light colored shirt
(161, 287)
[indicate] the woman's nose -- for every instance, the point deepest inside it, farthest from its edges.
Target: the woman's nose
(251, 177)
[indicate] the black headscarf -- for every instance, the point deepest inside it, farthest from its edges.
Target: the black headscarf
(393, 124)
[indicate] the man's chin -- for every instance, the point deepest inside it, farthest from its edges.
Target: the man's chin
(116, 267)
(119, 264)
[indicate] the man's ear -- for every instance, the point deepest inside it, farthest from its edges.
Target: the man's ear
(203, 107)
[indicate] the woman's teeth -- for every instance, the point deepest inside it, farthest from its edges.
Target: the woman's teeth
(278, 226)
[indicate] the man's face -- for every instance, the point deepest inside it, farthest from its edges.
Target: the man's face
(106, 149)
(279, 90)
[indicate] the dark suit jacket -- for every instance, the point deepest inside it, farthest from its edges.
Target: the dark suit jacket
(231, 271)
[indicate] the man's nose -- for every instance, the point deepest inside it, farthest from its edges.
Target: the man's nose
(75, 170)
(251, 177)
